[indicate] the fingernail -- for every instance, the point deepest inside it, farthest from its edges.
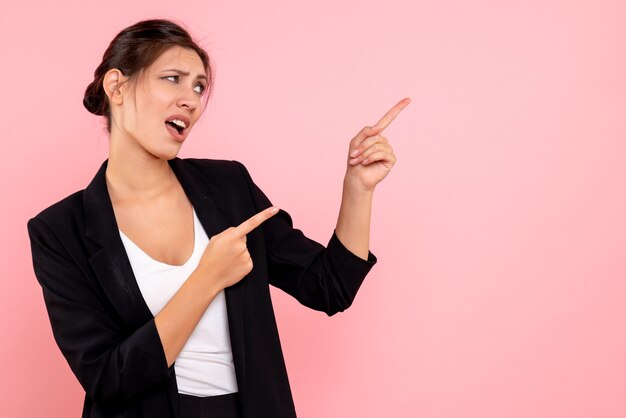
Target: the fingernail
(354, 153)
(274, 210)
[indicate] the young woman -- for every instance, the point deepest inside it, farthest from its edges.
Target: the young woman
(156, 275)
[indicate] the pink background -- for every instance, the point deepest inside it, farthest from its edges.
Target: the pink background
(501, 232)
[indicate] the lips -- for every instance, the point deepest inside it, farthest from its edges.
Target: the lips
(178, 136)
(178, 126)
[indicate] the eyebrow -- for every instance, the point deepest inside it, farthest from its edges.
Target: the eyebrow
(181, 72)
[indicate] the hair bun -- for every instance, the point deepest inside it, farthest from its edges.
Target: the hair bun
(93, 102)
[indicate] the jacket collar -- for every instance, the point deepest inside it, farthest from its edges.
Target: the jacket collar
(112, 266)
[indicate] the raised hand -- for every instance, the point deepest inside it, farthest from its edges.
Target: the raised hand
(226, 258)
(370, 156)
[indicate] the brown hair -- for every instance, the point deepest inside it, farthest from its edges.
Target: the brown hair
(132, 51)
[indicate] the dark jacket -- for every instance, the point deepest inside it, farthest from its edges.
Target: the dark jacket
(105, 330)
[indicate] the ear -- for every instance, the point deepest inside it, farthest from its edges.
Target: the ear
(112, 83)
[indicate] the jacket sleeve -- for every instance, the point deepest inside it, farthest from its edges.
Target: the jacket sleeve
(111, 363)
(322, 278)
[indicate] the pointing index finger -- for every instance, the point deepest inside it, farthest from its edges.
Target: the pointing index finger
(251, 223)
(391, 114)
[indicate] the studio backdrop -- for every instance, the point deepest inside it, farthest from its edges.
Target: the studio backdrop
(500, 233)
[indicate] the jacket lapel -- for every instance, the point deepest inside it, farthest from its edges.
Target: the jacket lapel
(110, 263)
(112, 266)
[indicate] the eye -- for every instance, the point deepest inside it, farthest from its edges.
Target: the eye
(202, 88)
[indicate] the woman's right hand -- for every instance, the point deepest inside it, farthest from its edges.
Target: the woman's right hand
(226, 259)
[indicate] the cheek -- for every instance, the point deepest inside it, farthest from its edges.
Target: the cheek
(149, 112)
(152, 99)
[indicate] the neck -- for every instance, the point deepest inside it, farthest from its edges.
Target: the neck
(136, 174)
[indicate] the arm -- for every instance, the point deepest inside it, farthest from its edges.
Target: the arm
(328, 278)
(370, 160)
(224, 262)
(353, 223)
(111, 362)
(180, 316)
(322, 278)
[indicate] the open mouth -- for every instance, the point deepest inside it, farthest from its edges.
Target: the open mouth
(179, 129)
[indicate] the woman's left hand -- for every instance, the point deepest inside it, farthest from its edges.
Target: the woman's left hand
(370, 156)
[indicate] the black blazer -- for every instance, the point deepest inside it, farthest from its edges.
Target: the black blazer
(105, 330)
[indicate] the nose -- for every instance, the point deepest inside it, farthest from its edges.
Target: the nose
(189, 100)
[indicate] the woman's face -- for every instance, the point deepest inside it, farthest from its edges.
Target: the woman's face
(158, 114)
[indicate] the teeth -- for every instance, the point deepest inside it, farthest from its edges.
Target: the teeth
(179, 123)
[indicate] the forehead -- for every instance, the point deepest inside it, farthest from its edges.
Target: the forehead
(181, 59)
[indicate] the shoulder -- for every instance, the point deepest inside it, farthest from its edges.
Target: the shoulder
(57, 230)
(65, 211)
(227, 180)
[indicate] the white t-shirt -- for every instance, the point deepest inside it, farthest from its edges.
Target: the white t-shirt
(205, 365)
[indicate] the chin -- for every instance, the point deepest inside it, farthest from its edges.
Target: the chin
(167, 154)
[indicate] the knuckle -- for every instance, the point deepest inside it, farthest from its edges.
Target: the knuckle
(367, 130)
(363, 146)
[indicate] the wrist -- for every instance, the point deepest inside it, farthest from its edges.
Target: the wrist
(203, 283)
(354, 186)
